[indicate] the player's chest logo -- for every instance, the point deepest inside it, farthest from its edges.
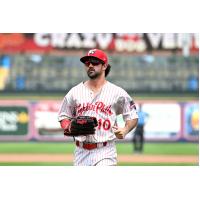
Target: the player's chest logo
(97, 107)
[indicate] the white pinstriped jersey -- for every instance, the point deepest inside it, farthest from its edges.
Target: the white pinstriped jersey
(104, 156)
(105, 106)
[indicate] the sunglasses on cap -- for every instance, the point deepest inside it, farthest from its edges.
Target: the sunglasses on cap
(94, 62)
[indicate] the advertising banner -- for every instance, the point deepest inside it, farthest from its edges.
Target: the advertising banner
(46, 122)
(191, 121)
(164, 121)
(14, 121)
(119, 42)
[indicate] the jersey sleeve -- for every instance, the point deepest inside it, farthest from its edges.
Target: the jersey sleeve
(67, 108)
(128, 108)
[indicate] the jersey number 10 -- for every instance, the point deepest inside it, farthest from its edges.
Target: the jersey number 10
(104, 124)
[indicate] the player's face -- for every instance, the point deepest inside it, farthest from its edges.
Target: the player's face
(94, 68)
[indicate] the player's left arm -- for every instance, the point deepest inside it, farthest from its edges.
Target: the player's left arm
(129, 113)
(120, 133)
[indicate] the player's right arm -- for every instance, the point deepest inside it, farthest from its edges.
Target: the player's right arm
(66, 111)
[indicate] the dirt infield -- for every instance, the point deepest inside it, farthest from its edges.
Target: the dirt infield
(121, 158)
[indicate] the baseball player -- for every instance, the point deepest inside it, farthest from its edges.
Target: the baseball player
(102, 100)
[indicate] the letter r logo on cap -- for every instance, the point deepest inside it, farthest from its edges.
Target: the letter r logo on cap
(91, 51)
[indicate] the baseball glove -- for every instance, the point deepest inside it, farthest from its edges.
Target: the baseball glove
(81, 126)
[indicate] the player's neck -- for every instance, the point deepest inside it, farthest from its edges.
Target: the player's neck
(96, 84)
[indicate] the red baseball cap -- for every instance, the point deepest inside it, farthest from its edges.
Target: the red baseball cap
(97, 54)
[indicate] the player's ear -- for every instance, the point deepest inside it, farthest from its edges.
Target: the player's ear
(104, 66)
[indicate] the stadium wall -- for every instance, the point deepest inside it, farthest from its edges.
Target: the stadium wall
(37, 120)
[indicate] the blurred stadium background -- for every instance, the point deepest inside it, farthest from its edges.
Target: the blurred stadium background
(159, 70)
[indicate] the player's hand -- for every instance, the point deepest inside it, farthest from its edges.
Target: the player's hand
(120, 133)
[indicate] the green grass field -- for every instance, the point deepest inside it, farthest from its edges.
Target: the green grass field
(122, 148)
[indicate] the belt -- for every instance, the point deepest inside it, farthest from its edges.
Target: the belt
(90, 146)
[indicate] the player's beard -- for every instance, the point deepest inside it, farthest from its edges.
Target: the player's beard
(92, 74)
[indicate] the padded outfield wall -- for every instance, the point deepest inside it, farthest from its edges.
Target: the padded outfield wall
(37, 120)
